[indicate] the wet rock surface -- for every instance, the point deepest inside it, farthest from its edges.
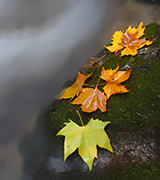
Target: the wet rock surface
(128, 151)
(149, 53)
(134, 131)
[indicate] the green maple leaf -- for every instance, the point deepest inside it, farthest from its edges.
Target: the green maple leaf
(85, 138)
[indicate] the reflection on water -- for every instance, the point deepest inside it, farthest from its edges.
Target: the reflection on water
(42, 45)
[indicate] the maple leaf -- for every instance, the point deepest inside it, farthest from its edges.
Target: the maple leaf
(113, 79)
(127, 43)
(85, 138)
(75, 88)
(91, 99)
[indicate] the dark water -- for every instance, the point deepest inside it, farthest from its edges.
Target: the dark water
(42, 45)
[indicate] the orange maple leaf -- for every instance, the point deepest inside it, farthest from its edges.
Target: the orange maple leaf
(127, 43)
(91, 99)
(75, 88)
(113, 79)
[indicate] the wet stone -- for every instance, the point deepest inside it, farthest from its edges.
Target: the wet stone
(149, 53)
(134, 116)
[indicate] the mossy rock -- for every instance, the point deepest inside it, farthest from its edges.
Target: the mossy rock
(135, 114)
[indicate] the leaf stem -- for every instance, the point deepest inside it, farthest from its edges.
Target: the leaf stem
(80, 117)
(89, 85)
(98, 81)
(101, 84)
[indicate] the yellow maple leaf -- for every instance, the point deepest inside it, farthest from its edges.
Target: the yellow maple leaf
(85, 138)
(75, 88)
(127, 43)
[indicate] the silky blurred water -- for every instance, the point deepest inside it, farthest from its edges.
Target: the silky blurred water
(42, 45)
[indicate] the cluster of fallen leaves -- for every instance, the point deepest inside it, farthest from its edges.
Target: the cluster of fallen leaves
(127, 43)
(87, 137)
(92, 98)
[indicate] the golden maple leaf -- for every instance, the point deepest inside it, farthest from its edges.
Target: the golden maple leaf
(113, 79)
(75, 88)
(85, 138)
(127, 43)
(91, 99)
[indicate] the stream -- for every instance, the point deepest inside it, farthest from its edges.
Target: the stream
(43, 43)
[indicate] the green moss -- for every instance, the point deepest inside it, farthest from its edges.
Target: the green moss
(133, 172)
(136, 172)
(139, 61)
(136, 112)
(152, 31)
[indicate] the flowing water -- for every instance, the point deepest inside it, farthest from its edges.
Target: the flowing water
(42, 45)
